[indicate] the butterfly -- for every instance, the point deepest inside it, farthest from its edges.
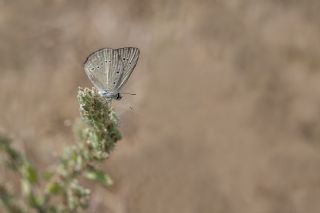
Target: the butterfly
(109, 69)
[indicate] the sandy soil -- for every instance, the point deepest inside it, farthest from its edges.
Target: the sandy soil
(227, 116)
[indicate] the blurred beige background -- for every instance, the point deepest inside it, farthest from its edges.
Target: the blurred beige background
(227, 116)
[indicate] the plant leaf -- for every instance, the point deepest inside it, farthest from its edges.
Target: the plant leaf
(30, 173)
(99, 176)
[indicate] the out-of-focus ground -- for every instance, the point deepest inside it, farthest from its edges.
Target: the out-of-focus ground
(227, 116)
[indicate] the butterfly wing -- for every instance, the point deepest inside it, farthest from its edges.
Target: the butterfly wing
(129, 57)
(104, 69)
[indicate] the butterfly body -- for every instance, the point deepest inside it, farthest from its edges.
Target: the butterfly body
(109, 69)
(109, 96)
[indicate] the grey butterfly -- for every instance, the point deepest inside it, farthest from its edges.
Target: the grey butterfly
(109, 69)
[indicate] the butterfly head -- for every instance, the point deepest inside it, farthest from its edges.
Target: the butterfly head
(118, 97)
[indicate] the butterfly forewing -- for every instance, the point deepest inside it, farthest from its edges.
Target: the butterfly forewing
(129, 57)
(114, 70)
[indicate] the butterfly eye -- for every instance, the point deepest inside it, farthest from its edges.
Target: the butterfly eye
(114, 82)
(123, 59)
(98, 67)
(117, 71)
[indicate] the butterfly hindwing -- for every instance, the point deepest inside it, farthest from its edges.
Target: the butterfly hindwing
(95, 70)
(104, 68)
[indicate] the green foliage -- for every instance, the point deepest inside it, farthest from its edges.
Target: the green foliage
(59, 189)
(97, 114)
(99, 176)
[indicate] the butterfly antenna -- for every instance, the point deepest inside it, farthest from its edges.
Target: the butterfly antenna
(127, 93)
